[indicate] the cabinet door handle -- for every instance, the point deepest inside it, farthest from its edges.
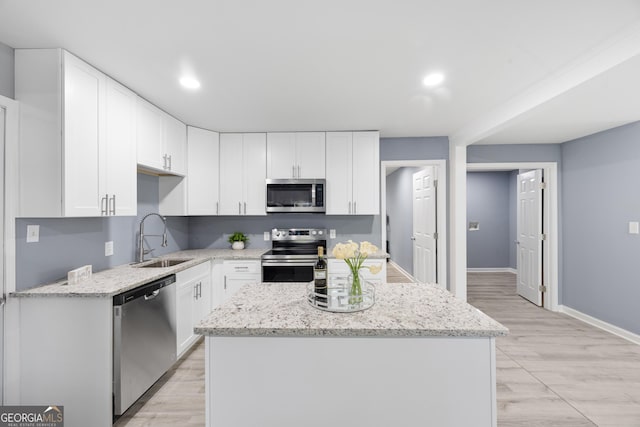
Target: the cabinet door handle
(217, 208)
(170, 162)
(293, 171)
(298, 171)
(354, 207)
(195, 291)
(225, 283)
(164, 163)
(245, 208)
(199, 289)
(104, 209)
(112, 207)
(239, 208)
(349, 207)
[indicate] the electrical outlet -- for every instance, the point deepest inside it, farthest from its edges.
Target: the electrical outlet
(108, 248)
(332, 234)
(33, 233)
(267, 235)
(634, 227)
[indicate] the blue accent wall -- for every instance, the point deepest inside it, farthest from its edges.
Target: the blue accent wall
(213, 231)
(68, 243)
(489, 203)
(601, 173)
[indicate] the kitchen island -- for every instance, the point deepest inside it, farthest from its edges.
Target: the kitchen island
(419, 356)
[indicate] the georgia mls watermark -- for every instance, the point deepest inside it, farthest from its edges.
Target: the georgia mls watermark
(32, 416)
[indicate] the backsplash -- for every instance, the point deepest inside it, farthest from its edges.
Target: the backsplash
(68, 243)
(212, 232)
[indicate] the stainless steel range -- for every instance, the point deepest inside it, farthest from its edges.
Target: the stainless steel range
(293, 254)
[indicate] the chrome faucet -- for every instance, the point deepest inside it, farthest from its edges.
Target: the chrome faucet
(141, 250)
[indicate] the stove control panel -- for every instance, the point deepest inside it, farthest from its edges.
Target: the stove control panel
(299, 234)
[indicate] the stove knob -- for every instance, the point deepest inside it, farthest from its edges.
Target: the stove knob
(320, 232)
(313, 232)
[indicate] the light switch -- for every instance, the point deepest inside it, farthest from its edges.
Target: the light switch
(634, 227)
(33, 233)
(108, 248)
(332, 234)
(267, 235)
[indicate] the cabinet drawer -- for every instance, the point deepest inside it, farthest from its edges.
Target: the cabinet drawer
(241, 267)
(203, 269)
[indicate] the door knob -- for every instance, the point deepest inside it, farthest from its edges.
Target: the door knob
(413, 238)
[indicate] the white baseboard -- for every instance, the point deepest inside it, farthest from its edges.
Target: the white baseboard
(622, 333)
(402, 270)
(492, 270)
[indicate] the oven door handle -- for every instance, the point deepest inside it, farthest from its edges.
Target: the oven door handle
(288, 264)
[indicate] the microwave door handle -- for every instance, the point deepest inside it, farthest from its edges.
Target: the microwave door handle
(288, 264)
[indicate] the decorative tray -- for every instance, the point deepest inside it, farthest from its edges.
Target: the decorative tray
(338, 300)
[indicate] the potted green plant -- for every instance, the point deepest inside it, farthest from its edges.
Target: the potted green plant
(237, 240)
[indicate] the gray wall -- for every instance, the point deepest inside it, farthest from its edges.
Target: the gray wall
(7, 80)
(488, 202)
(514, 153)
(68, 243)
(400, 212)
(212, 232)
(601, 269)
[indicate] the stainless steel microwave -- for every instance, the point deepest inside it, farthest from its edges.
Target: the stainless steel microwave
(296, 195)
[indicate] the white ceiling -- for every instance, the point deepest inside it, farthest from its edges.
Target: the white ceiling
(516, 71)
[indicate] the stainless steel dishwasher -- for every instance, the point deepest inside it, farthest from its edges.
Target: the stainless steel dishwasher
(144, 339)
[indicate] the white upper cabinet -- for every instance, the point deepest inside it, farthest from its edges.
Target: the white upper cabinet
(353, 173)
(70, 138)
(175, 145)
(120, 150)
(149, 135)
(161, 140)
(203, 158)
(292, 155)
(242, 173)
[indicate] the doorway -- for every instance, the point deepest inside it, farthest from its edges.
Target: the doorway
(549, 237)
(400, 232)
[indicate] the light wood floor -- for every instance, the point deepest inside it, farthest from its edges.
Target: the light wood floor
(552, 370)
(396, 276)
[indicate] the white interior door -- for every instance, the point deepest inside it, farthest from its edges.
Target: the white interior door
(529, 259)
(2, 284)
(424, 226)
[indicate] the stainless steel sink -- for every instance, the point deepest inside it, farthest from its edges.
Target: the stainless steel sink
(163, 263)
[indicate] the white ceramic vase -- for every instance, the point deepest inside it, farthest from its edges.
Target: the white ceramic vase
(237, 245)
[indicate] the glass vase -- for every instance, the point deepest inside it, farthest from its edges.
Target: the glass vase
(355, 290)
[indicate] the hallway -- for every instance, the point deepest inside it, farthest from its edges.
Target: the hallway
(554, 370)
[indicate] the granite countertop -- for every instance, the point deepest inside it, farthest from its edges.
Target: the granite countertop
(401, 310)
(107, 283)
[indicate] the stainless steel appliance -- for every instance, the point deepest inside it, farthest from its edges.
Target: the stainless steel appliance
(144, 339)
(296, 195)
(293, 254)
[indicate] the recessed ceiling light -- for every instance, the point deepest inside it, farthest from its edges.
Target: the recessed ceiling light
(433, 79)
(190, 82)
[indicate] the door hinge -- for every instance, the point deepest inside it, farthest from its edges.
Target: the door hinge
(542, 288)
(435, 236)
(543, 185)
(543, 236)
(435, 183)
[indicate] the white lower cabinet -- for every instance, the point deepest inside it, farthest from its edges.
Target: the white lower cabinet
(237, 273)
(338, 271)
(193, 303)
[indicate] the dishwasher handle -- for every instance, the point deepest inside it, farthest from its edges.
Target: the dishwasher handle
(147, 291)
(152, 295)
